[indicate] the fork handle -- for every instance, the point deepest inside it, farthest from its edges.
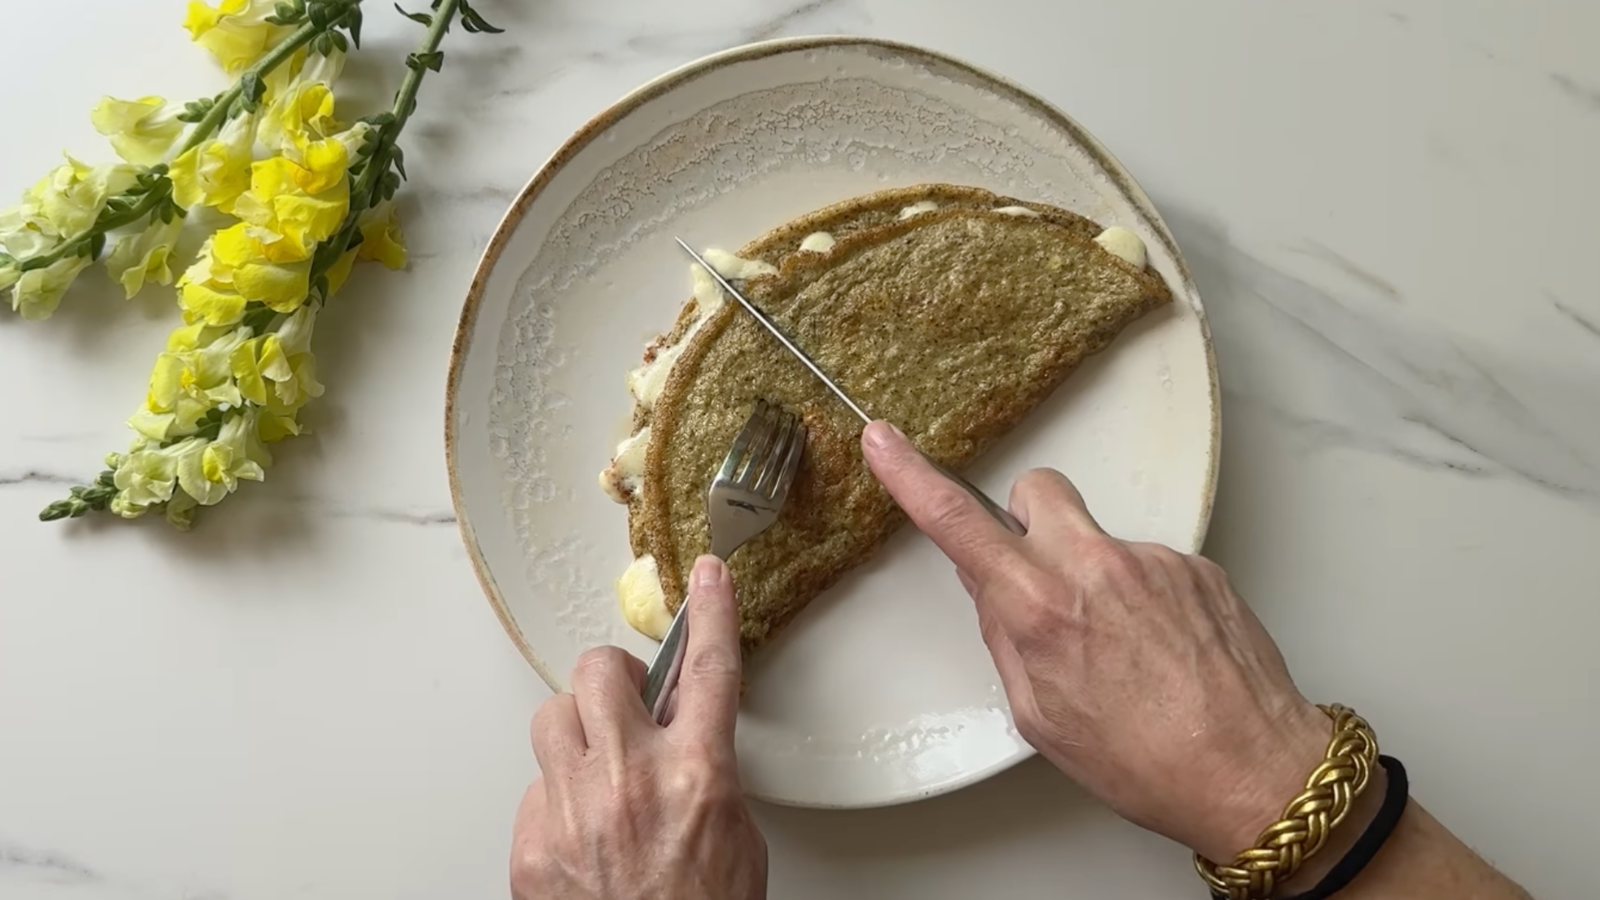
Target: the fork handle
(662, 676)
(1000, 513)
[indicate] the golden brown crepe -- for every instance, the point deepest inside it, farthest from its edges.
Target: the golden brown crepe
(948, 310)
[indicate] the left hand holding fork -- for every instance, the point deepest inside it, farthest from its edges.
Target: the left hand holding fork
(626, 809)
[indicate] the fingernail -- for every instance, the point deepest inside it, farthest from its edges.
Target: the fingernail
(708, 572)
(878, 435)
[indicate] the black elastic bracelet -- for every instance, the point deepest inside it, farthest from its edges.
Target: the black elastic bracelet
(1371, 841)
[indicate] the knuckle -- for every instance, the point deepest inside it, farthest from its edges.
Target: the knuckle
(531, 867)
(711, 663)
(1110, 560)
(947, 509)
(1206, 571)
(1043, 603)
(596, 663)
(599, 657)
(1038, 482)
(545, 717)
(695, 780)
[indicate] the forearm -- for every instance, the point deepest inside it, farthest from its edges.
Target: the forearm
(1422, 860)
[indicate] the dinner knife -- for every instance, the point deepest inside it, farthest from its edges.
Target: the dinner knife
(1000, 513)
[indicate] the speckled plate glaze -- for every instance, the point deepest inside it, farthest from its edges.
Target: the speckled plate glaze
(881, 692)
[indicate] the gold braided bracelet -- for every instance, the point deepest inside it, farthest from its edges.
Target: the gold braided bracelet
(1330, 790)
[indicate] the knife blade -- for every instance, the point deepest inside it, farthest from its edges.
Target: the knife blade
(1000, 513)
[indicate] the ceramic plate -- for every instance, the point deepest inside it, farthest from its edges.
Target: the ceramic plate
(881, 691)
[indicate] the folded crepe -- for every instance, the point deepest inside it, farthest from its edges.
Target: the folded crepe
(947, 310)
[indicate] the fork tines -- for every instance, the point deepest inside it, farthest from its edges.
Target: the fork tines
(766, 453)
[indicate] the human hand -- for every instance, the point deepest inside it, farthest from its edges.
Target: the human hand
(1133, 668)
(626, 809)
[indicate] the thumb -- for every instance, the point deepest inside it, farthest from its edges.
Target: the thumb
(708, 688)
(946, 513)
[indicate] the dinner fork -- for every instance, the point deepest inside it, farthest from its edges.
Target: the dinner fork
(745, 498)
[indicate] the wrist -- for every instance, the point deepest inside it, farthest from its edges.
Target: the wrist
(1342, 839)
(1329, 798)
(1257, 782)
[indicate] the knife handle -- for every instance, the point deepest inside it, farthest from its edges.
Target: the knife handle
(1000, 513)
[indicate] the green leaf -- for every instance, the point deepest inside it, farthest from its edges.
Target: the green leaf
(195, 110)
(97, 244)
(473, 22)
(422, 18)
(353, 24)
(399, 160)
(60, 509)
(286, 14)
(251, 89)
(433, 59)
(257, 318)
(323, 14)
(338, 40)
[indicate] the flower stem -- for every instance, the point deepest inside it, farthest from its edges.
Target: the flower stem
(161, 190)
(363, 193)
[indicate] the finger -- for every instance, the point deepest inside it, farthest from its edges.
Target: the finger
(557, 734)
(606, 683)
(1047, 501)
(945, 512)
(708, 689)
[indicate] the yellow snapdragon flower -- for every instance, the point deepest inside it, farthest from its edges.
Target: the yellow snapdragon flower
(217, 171)
(144, 478)
(185, 385)
(235, 31)
(303, 67)
(68, 200)
(24, 231)
(236, 266)
(180, 510)
(206, 294)
(381, 236)
(145, 256)
(142, 131)
(38, 292)
(265, 268)
(303, 114)
(304, 202)
(278, 373)
(211, 470)
(61, 206)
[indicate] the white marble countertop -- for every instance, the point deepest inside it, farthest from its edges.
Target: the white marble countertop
(1391, 212)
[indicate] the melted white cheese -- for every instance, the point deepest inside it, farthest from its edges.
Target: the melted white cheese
(626, 471)
(644, 603)
(647, 381)
(1121, 242)
(918, 208)
(1018, 211)
(818, 242)
(734, 268)
(708, 294)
